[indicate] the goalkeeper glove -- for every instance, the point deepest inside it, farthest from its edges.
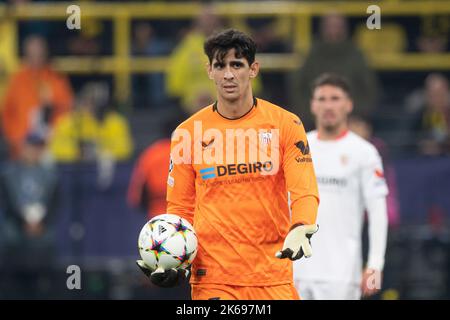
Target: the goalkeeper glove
(164, 278)
(297, 243)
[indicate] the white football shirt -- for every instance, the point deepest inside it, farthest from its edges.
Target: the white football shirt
(349, 173)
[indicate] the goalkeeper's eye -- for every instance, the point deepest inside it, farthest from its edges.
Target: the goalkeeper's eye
(237, 64)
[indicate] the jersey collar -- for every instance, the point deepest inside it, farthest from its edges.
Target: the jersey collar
(255, 104)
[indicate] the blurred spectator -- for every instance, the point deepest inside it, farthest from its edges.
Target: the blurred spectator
(29, 27)
(429, 110)
(88, 41)
(432, 44)
(3, 148)
(93, 133)
(271, 36)
(8, 59)
(434, 34)
(364, 129)
(390, 40)
(186, 76)
(28, 198)
(148, 89)
(35, 97)
(83, 45)
(426, 259)
(148, 183)
(335, 52)
(91, 130)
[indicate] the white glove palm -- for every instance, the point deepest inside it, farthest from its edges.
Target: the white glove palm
(297, 243)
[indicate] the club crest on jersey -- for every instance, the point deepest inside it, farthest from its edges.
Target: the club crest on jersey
(265, 137)
(344, 160)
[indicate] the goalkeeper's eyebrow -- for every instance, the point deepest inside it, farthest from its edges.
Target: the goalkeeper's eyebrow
(233, 63)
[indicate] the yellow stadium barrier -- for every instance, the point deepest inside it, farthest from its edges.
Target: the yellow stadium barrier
(300, 15)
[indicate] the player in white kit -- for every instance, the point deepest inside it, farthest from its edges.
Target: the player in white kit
(350, 178)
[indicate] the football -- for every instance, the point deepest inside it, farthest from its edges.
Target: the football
(167, 241)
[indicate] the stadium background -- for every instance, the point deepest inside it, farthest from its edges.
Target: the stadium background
(96, 228)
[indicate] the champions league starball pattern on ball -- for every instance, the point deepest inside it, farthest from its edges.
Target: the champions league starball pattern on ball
(167, 241)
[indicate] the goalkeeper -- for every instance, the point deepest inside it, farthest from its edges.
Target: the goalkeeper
(235, 190)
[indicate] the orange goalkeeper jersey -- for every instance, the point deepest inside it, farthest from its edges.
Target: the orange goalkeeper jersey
(231, 179)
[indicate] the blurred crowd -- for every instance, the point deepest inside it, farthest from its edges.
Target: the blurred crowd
(50, 119)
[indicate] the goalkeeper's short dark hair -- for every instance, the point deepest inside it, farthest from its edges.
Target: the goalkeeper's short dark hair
(332, 79)
(218, 45)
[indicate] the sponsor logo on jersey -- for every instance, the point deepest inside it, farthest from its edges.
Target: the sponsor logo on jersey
(206, 145)
(303, 159)
(235, 169)
(332, 181)
(304, 148)
(208, 173)
(379, 173)
(243, 168)
(231, 145)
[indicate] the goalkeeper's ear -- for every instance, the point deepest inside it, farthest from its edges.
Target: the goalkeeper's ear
(254, 69)
(209, 71)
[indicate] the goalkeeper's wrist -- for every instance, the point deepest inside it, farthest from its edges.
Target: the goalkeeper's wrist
(307, 229)
(295, 225)
(302, 223)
